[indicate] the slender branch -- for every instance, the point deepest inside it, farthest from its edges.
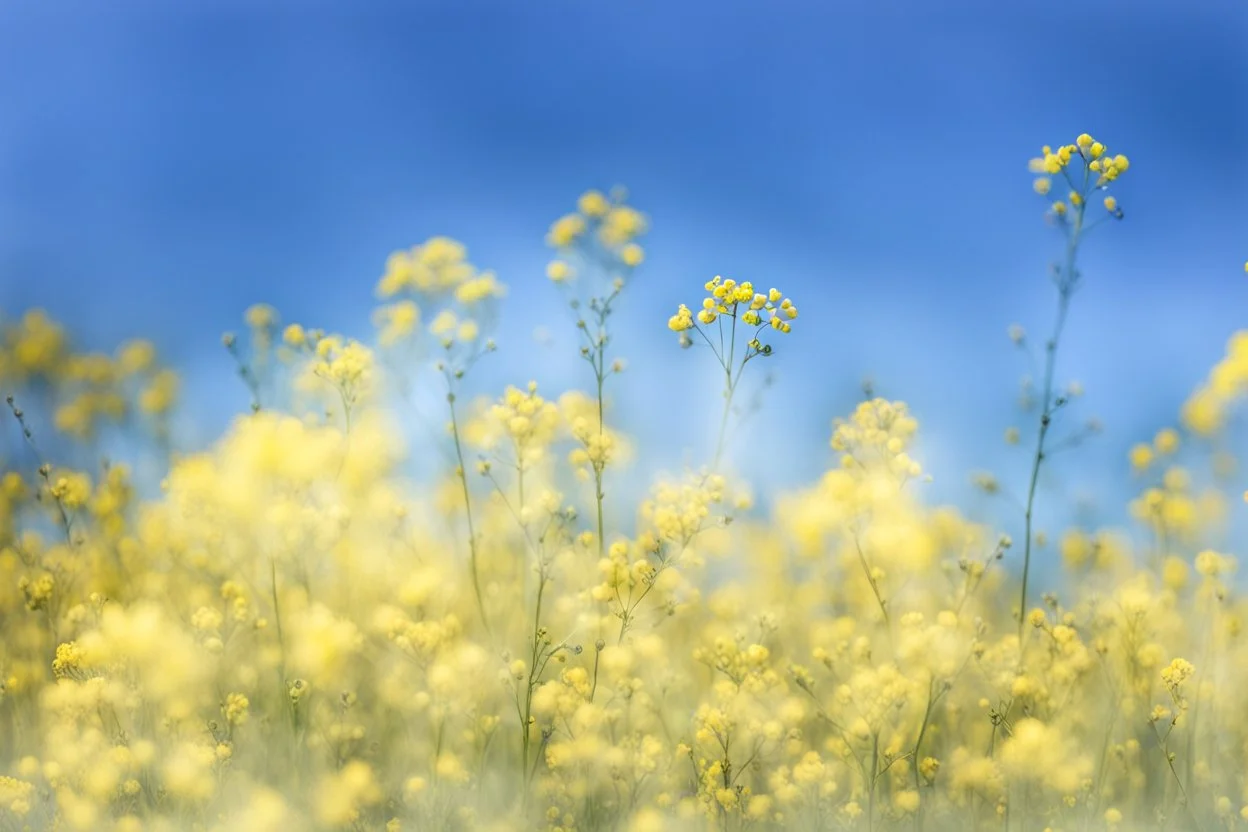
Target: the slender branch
(472, 534)
(1067, 280)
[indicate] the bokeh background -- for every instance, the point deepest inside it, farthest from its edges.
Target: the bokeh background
(164, 165)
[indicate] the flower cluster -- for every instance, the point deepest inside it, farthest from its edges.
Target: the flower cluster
(436, 278)
(522, 419)
(603, 226)
(738, 300)
(85, 391)
(1097, 170)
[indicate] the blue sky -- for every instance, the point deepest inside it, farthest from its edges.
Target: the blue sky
(163, 165)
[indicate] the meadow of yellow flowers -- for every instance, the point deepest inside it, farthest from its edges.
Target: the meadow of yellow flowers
(294, 634)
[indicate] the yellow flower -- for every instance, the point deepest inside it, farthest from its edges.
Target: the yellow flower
(483, 286)
(444, 323)
(396, 321)
(593, 204)
(682, 320)
(620, 225)
(136, 357)
(1141, 456)
(565, 230)
(632, 255)
(260, 316)
(294, 336)
(236, 708)
(1176, 673)
(558, 271)
(1166, 441)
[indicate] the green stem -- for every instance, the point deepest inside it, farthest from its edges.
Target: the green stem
(533, 679)
(875, 587)
(472, 534)
(730, 387)
(277, 619)
(1164, 745)
(599, 465)
(1065, 287)
(594, 687)
(723, 424)
(875, 767)
(927, 716)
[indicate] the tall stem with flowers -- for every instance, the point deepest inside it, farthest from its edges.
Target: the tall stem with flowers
(439, 273)
(1086, 168)
(597, 254)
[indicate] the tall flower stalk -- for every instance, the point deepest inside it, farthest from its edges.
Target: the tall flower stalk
(1093, 170)
(597, 252)
(439, 273)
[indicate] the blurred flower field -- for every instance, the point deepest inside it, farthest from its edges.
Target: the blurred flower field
(294, 632)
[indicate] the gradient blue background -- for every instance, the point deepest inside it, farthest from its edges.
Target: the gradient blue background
(164, 165)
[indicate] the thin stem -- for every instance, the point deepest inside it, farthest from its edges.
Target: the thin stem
(598, 465)
(927, 716)
(875, 587)
(277, 620)
(595, 353)
(472, 534)
(1066, 285)
(245, 372)
(875, 767)
(594, 687)
(723, 421)
(1163, 743)
(534, 677)
(727, 360)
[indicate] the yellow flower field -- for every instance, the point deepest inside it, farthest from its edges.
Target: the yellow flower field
(293, 632)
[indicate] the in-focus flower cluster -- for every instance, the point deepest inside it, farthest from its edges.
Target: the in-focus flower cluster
(738, 301)
(1084, 167)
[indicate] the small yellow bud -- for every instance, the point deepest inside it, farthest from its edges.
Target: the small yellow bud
(558, 271)
(632, 255)
(1141, 456)
(294, 336)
